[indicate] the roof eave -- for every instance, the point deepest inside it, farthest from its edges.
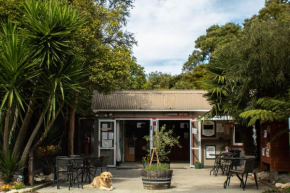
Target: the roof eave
(150, 110)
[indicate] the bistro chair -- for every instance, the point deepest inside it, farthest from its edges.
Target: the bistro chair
(226, 164)
(78, 167)
(248, 167)
(217, 164)
(63, 166)
(93, 165)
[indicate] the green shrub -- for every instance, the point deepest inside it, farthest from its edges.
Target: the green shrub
(9, 164)
(158, 167)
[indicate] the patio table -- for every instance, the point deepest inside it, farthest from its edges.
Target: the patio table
(71, 162)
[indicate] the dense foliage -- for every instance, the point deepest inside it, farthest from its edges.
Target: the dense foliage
(252, 71)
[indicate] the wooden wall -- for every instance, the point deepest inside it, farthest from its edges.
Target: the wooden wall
(277, 138)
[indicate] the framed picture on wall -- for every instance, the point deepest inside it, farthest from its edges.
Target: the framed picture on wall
(210, 150)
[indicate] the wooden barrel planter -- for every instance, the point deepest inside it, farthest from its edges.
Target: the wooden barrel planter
(154, 180)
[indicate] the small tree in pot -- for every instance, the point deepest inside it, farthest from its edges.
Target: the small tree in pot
(159, 176)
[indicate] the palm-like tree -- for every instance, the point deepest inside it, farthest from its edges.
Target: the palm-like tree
(17, 70)
(48, 28)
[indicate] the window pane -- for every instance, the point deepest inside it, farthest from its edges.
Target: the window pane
(238, 137)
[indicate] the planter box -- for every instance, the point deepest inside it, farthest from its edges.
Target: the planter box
(198, 165)
(39, 154)
(154, 180)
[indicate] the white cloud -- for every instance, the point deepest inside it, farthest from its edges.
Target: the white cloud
(166, 29)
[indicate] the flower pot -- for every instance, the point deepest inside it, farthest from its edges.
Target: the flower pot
(197, 165)
(156, 180)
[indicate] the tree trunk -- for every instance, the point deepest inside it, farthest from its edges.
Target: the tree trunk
(47, 129)
(30, 141)
(258, 139)
(6, 130)
(248, 141)
(14, 124)
(18, 147)
(71, 131)
(72, 127)
(32, 136)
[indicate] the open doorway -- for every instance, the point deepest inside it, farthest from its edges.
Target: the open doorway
(181, 129)
(134, 132)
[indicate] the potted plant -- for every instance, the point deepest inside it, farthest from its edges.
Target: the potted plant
(47, 151)
(197, 165)
(159, 175)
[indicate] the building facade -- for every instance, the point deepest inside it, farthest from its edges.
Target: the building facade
(123, 118)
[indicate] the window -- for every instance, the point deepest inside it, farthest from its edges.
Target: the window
(237, 137)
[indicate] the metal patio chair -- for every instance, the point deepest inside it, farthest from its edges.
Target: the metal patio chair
(94, 164)
(78, 168)
(226, 164)
(248, 167)
(63, 166)
(217, 164)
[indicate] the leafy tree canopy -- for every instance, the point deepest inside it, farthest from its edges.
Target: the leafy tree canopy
(252, 66)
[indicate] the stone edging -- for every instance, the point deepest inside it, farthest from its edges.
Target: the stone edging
(267, 184)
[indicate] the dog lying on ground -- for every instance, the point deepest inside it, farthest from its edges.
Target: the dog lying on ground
(104, 181)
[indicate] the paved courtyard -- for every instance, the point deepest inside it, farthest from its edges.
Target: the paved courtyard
(185, 179)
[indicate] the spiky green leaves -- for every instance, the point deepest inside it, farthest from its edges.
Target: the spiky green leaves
(49, 26)
(17, 69)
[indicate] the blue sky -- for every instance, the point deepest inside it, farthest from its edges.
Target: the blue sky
(166, 29)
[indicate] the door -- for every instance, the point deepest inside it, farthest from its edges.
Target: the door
(107, 140)
(195, 142)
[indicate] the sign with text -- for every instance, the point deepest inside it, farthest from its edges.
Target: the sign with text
(210, 151)
(178, 114)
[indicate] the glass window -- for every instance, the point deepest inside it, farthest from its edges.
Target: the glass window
(237, 137)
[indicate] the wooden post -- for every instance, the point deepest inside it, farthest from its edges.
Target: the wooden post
(30, 168)
(152, 155)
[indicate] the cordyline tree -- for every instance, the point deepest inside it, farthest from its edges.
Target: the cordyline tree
(249, 76)
(38, 71)
(96, 40)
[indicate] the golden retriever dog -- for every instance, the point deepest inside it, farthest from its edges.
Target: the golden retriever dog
(104, 181)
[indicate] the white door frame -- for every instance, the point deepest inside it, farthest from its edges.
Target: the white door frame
(99, 137)
(190, 131)
(198, 138)
(137, 119)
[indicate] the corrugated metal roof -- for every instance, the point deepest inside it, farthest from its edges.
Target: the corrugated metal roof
(165, 100)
